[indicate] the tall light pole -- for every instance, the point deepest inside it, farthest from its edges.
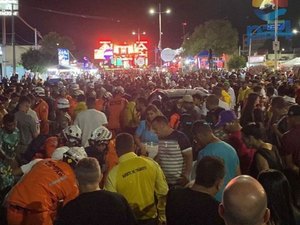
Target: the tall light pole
(13, 38)
(250, 41)
(276, 44)
(138, 33)
(159, 12)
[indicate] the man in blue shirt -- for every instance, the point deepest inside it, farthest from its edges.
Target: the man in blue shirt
(209, 145)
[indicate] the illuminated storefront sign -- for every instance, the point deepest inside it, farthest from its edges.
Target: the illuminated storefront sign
(7, 6)
(269, 16)
(122, 55)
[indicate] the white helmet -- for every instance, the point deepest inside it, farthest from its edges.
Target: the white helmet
(74, 87)
(107, 95)
(58, 153)
(39, 91)
(101, 134)
(63, 103)
(74, 155)
(72, 132)
(119, 90)
(78, 92)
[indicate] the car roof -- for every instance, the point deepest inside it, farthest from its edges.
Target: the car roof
(178, 93)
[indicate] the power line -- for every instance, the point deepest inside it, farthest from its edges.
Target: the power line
(83, 16)
(28, 42)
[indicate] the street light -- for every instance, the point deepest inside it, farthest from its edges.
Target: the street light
(295, 31)
(250, 41)
(159, 12)
(138, 33)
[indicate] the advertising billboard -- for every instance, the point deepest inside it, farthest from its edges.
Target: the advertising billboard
(9, 6)
(63, 57)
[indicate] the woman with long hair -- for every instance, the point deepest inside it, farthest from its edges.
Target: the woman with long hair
(266, 155)
(251, 112)
(276, 185)
(144, 135)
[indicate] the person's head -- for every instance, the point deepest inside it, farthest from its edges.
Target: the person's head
(141, 104)
(188, 102)
(91, 102)
(278, 105)
(229, 121)
(293, 115)
(210, 173)
(72, 135)
(24, 104)
(63, 104)
(88, 174)
(160, 126)
(202, 133)
(151, 112)
(124, 143)
(81, 98)
(198, 99)
(119, 91)
(252, 135)
(100, 139)
(9, 123)
(278, 192)
(39, 92)
(244, 202)
(212, 102)
(72, 155)
(226, 85)
(217, 91)
(252, 100)
(14, 98)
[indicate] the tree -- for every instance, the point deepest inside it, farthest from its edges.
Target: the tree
(52, 41)
(236, 62)
(218, 35)
(35, 60)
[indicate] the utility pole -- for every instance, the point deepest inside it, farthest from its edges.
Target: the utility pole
(276, 44)
(3, 74)
(13, 38)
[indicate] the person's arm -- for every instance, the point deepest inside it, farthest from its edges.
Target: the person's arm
(261, 163)
(288, 148)
(188, 161)
(110, 184)
(290, 164)
(137, 137)
(33, 127)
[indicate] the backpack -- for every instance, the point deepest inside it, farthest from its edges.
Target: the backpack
(185, 124)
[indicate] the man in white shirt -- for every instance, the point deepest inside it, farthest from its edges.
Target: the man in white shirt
(89, 120)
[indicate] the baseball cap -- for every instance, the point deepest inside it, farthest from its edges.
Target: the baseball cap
(188, 98)
(226, 116)
(294, 110)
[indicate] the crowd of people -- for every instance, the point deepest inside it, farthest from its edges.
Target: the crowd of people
(99, 151)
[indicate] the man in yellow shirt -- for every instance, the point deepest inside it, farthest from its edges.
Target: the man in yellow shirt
(140, 180)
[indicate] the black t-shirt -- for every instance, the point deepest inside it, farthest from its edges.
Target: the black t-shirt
(94, 208)
(189, 207)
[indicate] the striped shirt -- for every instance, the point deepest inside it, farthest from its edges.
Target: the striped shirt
(170, 156)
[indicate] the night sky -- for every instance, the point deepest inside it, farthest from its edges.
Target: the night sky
(116, 19)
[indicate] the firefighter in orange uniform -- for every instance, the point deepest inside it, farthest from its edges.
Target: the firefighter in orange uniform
(49, 184)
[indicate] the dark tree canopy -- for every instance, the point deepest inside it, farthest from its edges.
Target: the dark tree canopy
(218, 35)
(47, 55)
(236, 62)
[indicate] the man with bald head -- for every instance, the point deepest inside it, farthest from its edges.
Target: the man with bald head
(244, 202)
